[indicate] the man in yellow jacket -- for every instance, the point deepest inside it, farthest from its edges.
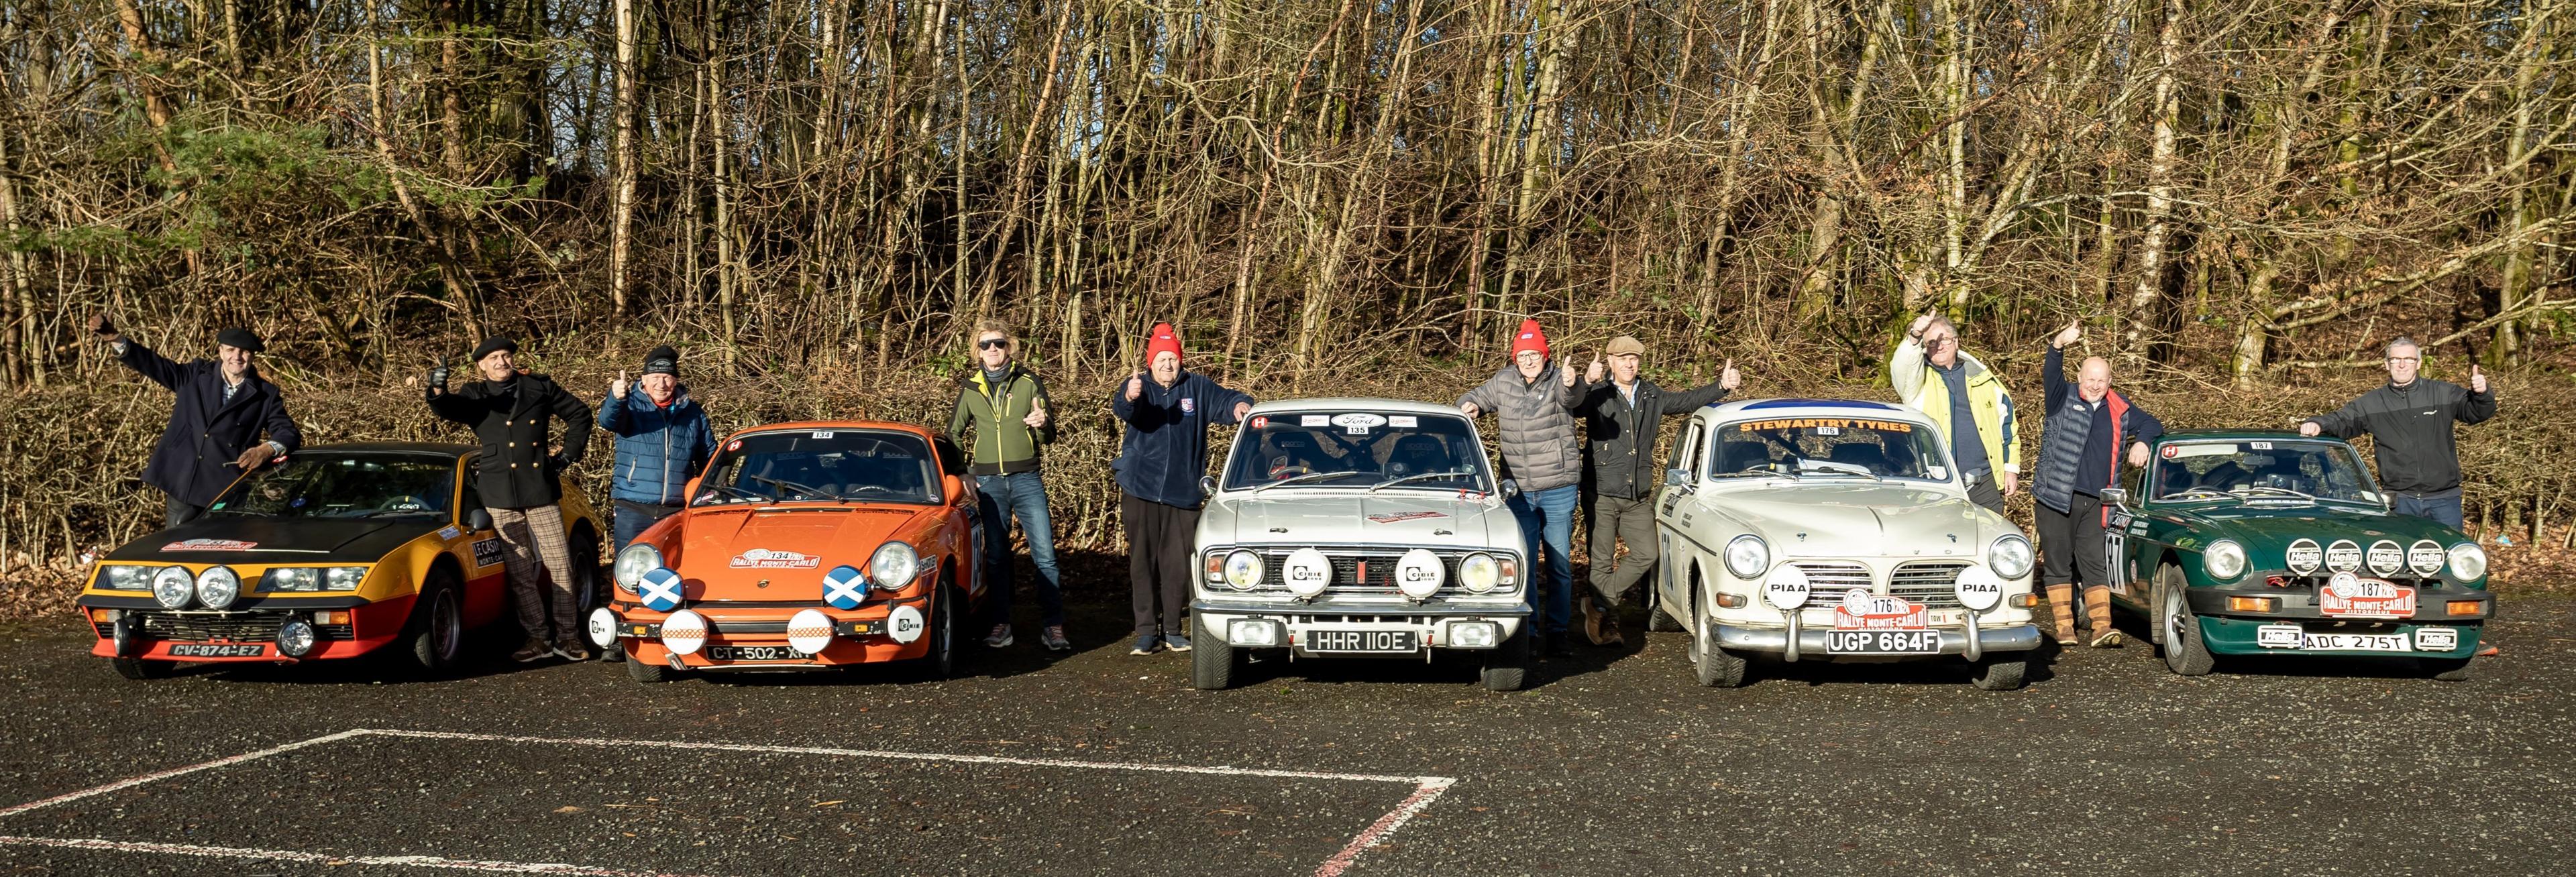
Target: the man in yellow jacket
(1967, 400)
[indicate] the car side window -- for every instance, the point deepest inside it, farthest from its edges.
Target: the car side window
(1691, 450)
(473, 493)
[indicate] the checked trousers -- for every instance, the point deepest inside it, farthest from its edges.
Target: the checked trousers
(527, 536)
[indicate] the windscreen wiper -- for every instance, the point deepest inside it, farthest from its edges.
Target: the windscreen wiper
(1418, 476)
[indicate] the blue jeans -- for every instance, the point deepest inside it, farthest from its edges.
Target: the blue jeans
(1548, 516)
(2443, 506)
(1019, 494)
(630, 523)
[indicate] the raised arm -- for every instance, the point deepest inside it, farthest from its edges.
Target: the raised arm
(153, 366)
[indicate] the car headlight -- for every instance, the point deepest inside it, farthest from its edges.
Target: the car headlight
(218, 587)
(894, 565)
(1480, 573)
(632, 561)
(313, 578)
(125, 577)
(1243, 570)
(1747, 556)
(2225, 560)
(2009, 557)
(173, 586)
(2468, 562)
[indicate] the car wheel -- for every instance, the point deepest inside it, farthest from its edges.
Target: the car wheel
(2001, 675)
(2446, 669)
(590, 589)
(1507, 666)
(1211, 659)
(647, 672)
(1716, 667)
(2185, 653)
(941, 662)
(437, 632)
(139, 669)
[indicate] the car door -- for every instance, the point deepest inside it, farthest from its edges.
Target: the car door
(486, 580)
(1672, 572)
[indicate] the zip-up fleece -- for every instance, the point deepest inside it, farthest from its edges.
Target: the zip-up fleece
(1166, 446)
(658, 448)
(990, 421)
(2410, 431)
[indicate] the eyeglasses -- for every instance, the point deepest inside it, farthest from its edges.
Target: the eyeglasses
(993, 343)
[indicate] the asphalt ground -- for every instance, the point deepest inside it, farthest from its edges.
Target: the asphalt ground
(1098, 762)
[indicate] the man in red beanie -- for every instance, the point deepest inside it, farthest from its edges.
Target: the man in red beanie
(1533, 402)
(1158, 469)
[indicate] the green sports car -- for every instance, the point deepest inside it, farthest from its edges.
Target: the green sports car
(2266, 543)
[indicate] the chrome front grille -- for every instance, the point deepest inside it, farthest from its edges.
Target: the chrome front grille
(1931, 583)
(1829, 579)
(1357, 573)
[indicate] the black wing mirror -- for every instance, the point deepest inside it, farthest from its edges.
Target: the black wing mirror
(478, 519)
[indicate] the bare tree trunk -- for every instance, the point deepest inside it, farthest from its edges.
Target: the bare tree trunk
(622, 225)
(2146, 303)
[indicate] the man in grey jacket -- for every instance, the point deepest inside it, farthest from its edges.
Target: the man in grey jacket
(1535, 413)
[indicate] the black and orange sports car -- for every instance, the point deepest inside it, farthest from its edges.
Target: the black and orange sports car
(805, 546)
(338, 552)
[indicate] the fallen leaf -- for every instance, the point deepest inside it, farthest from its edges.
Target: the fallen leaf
(567, 809)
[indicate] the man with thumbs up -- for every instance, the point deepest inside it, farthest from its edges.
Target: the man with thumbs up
(662, 441)
(1159, 464)
(1533, 403)
(1621, 418)
(2409, 422)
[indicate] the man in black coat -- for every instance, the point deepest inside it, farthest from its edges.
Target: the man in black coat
(2409, 422)
(213, 436)
(517, 477)
(1620, 418)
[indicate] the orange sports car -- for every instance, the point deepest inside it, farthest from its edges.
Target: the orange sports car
(805, 546)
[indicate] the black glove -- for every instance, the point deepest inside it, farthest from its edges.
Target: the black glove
(557, 463)
(438, 376)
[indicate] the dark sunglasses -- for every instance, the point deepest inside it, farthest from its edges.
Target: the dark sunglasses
(993, 343)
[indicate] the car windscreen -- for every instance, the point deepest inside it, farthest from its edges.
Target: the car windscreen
(1358, 449)
(326, 484)
(846, 465)
(1829, 447)
(2258, 468)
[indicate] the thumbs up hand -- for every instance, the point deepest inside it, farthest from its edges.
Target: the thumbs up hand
(1592, 373)
(2073, 332)
(1728, 378)
(2477, 379)
(1135, 386)
(617, 387)
(1564, 375)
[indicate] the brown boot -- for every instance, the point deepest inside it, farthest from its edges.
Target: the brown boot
(1591, 619)
(2061, 600)
(1608, 630)
(2097, 612)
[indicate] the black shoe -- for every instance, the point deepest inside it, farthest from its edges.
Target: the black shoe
(1560, 645)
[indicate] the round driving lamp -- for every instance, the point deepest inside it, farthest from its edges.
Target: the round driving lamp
(172, 587)
(295, 638)
(218, 587)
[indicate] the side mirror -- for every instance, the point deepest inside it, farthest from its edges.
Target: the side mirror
(2115, 496)
(1207, 485)
(952, 486)
(478, 519)
(1679, 478)
(1511, 488)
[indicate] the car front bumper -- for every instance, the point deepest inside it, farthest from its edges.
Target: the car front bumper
(242, 635)
(2248, 635)
(1812, 642)
(1433, 627)
(859, 636)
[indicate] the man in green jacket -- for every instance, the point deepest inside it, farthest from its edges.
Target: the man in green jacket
(1966, 400)
(1002, 421)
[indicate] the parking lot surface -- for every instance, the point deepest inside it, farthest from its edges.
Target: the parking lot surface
(1099, 762)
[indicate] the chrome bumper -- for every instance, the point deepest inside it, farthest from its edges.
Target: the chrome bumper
(1810, 642)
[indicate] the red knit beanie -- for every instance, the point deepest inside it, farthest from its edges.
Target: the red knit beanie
(1163, 339)
(1529, 338)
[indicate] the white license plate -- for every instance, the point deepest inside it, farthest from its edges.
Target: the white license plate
(218, 650)
(753, 653)
(2436, 639)
(2291, 636)
(1360, 641)
(1883, 642)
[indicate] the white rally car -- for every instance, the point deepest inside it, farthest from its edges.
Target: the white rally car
(1358, 528)
(1821, 530)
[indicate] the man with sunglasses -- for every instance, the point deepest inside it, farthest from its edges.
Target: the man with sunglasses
(2409, 422)
(1002, 422)
(1966, 400)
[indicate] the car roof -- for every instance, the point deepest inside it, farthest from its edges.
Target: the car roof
(1814, 408)
(802, 425)
(1354, 403)
(440, 448)
(2262, 434)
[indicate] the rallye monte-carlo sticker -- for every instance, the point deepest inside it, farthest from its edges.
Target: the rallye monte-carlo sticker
(210, 545)
(768, 558)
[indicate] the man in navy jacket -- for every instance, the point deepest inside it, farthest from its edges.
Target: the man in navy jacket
(662, 441)
(213, 436)
(1159, 465)
(2090, 429)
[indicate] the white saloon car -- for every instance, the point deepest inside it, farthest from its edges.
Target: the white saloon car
(1820, 530)
(1358, 528)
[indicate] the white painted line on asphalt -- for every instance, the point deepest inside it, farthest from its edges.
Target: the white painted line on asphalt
(1426, 790)
(227, 761)
(326, 858)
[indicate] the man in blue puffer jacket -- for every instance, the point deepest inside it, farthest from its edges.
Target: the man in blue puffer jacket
(662, 442)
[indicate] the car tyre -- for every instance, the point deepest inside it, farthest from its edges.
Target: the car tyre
(139, 669)
(1211, 659)
(941, 662)
(437, 632)
(1506, 668)
(2001, 675)
(2446, 669)
(1716, 667)
(647, 672)
(2185, 653)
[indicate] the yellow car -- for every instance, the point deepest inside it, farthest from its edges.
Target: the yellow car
(338, 552)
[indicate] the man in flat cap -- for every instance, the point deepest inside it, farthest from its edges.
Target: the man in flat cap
(518, 479)
(1621, 417)
(662, 442)
(215, 424)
